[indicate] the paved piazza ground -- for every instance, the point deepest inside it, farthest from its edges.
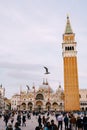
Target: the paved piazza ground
(30, 124)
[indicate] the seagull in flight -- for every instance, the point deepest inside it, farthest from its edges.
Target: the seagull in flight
(47, 72)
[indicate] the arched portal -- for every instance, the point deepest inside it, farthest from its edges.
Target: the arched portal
(48, 106)
(55, 106)
(23, 106)
(30, 106)
(39, 105)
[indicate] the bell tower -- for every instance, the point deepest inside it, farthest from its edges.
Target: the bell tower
(69, 52)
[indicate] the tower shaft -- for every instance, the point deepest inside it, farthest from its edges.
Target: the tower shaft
(71, 86)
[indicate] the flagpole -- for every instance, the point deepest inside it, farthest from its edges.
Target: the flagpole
(20, 97)
(34, 95)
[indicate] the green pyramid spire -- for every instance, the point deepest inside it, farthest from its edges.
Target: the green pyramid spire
(68, 29)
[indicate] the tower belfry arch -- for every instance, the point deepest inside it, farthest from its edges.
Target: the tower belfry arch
(69, 53)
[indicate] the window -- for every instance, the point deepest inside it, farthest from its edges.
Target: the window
(72, 48)
(66, 48)
(39, 96)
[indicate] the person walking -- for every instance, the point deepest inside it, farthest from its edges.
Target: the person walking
(79, 123)
(53, 126)
(19, 118)
(12, 119)
(73, 122)
(60, 121)
(39, 120)
(6, 118)
(24, 120)
(9, 127)
(17, 126)
(66, 121)
(44, 121)
(47, 126)
(85, 122)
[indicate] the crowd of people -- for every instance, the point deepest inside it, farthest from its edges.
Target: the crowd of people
(63, 120)
(20, 121)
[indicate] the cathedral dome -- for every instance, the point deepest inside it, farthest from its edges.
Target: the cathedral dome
(45, 87)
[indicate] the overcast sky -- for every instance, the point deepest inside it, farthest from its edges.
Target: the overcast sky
(31, 37)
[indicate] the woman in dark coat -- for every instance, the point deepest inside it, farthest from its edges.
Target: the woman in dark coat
(79, 123)
(39, 120)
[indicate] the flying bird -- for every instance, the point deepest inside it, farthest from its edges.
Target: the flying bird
(47, 72)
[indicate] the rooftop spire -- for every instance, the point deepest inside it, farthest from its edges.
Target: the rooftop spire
(43, 82)
(68, 29)
(46, 82)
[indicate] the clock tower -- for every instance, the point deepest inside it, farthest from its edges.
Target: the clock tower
(71, 86)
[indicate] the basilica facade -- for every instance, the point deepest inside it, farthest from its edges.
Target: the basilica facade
(43, 99)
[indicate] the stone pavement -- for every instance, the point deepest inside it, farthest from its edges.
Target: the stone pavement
(30, 123)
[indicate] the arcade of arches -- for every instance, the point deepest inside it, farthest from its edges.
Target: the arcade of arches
(42, 100)
(40, 104)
